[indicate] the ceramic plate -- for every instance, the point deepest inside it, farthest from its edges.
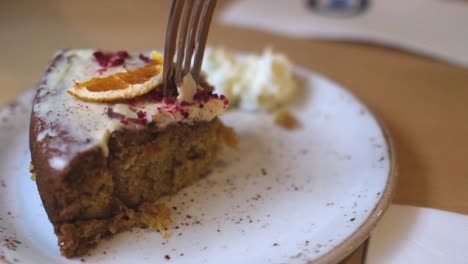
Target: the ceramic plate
(311, 194)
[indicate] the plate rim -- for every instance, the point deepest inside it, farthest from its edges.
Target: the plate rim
(346, 247)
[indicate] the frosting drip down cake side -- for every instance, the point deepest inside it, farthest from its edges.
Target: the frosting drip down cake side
(101, 166)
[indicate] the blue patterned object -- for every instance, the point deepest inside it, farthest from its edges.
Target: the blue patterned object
(338, 7)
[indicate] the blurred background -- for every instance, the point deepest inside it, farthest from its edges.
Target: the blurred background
(422, 99)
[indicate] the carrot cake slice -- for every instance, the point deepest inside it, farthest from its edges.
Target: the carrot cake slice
(106, 143)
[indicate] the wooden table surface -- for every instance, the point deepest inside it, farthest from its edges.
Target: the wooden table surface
(423, 102)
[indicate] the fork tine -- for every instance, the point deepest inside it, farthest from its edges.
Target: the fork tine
(186, 15)
(202, 36)
(190, 46)
(171, 36)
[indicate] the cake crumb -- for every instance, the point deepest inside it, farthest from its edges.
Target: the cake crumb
(31, 170)
(285, 119)
(158, 217)
(167, 257)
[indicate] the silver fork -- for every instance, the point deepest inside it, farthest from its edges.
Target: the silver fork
(194, 19)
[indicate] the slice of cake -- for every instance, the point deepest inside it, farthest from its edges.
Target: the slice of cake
(106, 144)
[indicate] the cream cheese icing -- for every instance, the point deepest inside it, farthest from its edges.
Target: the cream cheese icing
(187, 89)
(72, 126)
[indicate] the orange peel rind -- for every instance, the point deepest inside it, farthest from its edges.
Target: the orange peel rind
(122, 85)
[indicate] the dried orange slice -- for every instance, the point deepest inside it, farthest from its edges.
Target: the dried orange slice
(122, 85)
(157, 57)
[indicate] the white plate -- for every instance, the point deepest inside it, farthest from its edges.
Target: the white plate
(312, 194)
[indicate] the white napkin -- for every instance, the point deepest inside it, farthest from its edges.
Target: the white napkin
(408, 234)
(437, 28)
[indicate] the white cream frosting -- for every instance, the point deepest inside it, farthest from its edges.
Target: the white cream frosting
(187, 89)
(253, 82)
(124, 109)
(73, 126)
(57, 163)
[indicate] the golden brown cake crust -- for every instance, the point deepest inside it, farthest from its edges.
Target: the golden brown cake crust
(96, 194)
(51, 178)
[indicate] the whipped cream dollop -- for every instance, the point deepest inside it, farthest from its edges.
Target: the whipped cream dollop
(252, 82)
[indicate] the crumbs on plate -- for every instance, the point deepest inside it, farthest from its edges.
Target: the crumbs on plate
(285, 119)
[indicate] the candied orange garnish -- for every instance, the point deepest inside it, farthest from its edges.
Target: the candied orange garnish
(123, 85)
(158, 58)
(140, 75)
